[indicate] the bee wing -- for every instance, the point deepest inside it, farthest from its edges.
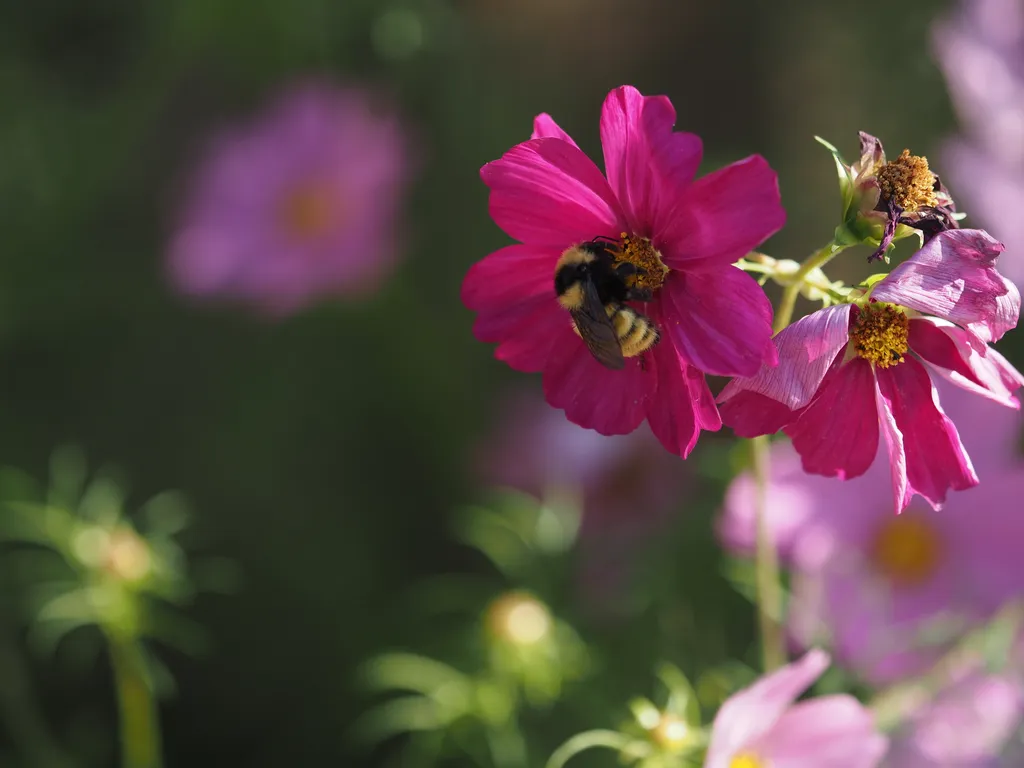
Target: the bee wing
(596, 329)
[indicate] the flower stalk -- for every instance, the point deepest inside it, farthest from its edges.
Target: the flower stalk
(784, 314)
(766, 559)
(140, 722)
(769, 588)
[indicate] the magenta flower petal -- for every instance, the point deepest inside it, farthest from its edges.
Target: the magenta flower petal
(671, 415)
(936, 460)
(547, 192)
(637, 136)
(611, 402)
(837, 434)
(754, 711)
(965, 360)
(722, 321)
(723, 216)
(836, 731)
(954, 277)
(545, 127)
(511, 291)
(806, 350)
(750, 414)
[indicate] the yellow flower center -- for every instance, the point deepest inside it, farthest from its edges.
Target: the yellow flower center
(880, 334)
(908, 182)
(747, 760)
(308, 211)
(639, 252)
(906, 550)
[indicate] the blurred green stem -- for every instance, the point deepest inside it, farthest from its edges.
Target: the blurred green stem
(784, 314)
(140, 722)
(769, 590)
(590, 740)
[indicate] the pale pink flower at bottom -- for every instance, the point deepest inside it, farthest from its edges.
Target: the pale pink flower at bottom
(762, 726)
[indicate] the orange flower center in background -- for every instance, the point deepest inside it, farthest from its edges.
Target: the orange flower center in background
(747, 760)
(880, 334)
(908, 182)
(906, 550)
(639, 252)
(308, 210)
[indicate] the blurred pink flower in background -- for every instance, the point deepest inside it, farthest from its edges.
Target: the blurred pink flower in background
(989, 432)
(300, 204)
(968, 722)
(980, 48)
(762, 726)
(629, 486)
(889, 593)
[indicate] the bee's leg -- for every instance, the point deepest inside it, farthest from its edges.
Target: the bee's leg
(639, 294)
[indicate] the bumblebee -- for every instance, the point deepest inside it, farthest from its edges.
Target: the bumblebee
(593, 288)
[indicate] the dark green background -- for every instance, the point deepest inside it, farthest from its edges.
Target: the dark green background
(325, 453)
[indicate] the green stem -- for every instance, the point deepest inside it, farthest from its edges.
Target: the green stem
(766, 564)
(140, 721)
(784, 314)
(588, 740)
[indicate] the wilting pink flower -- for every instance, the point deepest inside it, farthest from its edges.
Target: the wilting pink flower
(967, 723)
(299, 204)
(762, 726)
(684, 235)
(629, 486)
(980, 47)
(850, 371)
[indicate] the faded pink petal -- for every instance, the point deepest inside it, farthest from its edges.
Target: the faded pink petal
(595, 397)
(935, 458)
(806, 350)
(546, 192)
(721, 217)
(637, 136)
(964, 359)
(895, 447)
(545, 127)
(835, 731)
(954, 277)
(720, 321)
(837, 434)
(753, 712)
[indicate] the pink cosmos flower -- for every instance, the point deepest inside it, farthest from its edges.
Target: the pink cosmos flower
(889, 594)
(297, 205)
(684, 235)
(850, 371)
(762, 727)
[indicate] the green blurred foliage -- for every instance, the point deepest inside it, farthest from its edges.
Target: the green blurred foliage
(325, 454)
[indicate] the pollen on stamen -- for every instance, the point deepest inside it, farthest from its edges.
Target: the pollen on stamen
(880, 334)
(908, 182)
(638, 251)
